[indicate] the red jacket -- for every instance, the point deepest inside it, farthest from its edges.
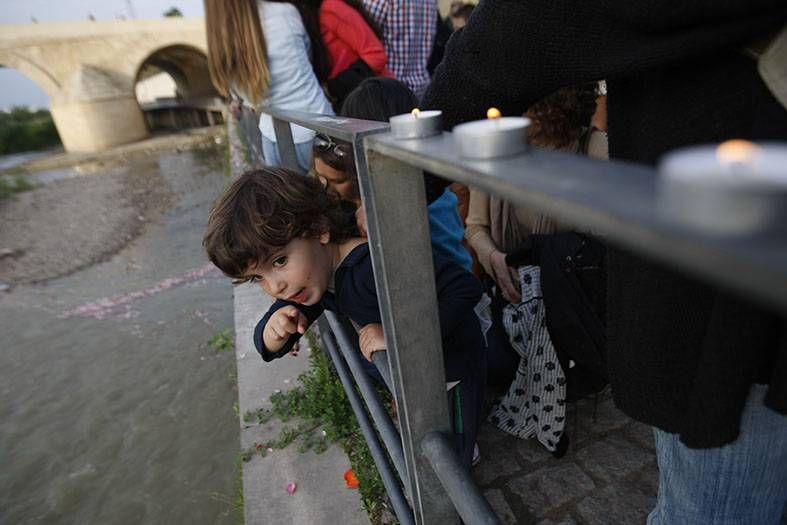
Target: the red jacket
(348, 37)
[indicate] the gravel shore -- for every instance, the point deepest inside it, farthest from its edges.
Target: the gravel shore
(85, 217)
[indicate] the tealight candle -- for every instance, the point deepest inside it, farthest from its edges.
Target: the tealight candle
(417, 124)
(736, 188)
(497, 136)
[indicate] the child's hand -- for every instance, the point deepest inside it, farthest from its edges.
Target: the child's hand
(360, 221)
(371, 339)
(281, 325)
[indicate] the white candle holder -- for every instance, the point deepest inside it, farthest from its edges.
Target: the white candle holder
(493, 137)
(737, 188)
(417, 125)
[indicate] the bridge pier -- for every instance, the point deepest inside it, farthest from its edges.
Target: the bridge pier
(93, 125)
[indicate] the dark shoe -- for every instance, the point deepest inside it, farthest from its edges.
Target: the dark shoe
(562, 447)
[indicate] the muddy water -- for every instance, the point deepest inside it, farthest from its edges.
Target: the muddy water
(113, 409)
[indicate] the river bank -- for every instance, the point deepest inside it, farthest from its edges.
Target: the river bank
(116, 410)
(85, 207)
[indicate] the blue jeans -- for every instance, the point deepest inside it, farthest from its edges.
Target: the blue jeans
(303, 151)
(743, 482)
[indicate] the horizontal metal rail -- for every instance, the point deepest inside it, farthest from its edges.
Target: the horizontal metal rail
(616, 199)
(347, 129)
(390, 481)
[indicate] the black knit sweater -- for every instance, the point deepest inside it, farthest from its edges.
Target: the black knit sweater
(682, 355)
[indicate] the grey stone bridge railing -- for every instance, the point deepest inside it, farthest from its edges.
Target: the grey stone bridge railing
(614, 199)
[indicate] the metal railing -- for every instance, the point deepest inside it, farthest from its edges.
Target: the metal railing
(615, 199)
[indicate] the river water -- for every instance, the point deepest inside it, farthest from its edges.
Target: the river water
(113, 408)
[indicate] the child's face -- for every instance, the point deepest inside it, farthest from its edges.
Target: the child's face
(336, 180)
(299, 272)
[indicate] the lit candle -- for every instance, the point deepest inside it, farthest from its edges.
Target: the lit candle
(736, 188)
(417, 124)
(497, 136)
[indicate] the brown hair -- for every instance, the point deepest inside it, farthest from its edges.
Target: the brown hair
(237, 53)
(560, 119)
(266, 209)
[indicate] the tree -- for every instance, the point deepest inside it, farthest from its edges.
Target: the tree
(172, 11)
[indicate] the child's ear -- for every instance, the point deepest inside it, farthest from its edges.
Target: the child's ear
(325, 237)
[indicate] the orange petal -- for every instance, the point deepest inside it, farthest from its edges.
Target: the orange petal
(350, 479)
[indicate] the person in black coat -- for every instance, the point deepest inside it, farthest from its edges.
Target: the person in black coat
(706, 368)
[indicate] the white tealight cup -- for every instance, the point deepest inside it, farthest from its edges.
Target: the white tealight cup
(417, 125)
(736, 188)
(490, 138)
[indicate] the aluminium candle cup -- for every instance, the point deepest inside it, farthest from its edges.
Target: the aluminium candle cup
(408, 126)
(718, 197)
(491, 138)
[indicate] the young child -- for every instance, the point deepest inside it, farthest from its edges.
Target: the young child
(288, 234)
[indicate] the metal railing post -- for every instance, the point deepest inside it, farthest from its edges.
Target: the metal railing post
(285, 144)
(403, 267)
(251, 136)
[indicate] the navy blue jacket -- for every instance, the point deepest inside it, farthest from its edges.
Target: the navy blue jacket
(355, 296)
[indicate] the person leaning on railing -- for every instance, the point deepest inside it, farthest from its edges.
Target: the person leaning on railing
(531, 365)
(288, 234)
(380, 99)
(261, 51)
(707, 369)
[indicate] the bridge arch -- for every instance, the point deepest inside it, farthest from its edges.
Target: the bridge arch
(186, 64)
(89, 70)
(32, 70)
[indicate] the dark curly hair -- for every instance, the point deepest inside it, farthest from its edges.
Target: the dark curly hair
(560, 119)
(264, 210)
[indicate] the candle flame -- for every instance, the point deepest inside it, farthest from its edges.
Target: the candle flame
(736, 150)
(493, 113)
(416, 112)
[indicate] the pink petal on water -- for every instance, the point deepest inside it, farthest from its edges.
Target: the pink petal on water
(291, 488)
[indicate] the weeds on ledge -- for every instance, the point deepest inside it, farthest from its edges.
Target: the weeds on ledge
(324, 415)
(222, 341)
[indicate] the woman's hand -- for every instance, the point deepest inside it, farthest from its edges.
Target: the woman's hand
(371, 339)
(503, 277)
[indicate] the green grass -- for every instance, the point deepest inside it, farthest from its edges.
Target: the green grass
(222, 341)
(320, 414)
(11, 185)
(240, 517)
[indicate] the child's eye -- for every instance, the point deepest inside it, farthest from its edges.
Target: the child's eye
(255, 279)
(280, 261)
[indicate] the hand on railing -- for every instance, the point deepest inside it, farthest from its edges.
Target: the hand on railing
(371, 340)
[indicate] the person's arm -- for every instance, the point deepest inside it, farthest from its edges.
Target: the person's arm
(512, 52)
(349, 26)
(491, 257)
(282, 326)
(477, 228)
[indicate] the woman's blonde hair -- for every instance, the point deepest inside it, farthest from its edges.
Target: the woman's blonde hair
(237, 54)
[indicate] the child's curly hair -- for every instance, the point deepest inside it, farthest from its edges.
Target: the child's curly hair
(559, 119)
(265, 209)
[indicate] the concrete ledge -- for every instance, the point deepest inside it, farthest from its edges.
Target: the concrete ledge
(321, 496)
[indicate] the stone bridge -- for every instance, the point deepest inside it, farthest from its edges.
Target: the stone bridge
(89, 71)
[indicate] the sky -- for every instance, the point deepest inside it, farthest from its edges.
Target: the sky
(15, 88)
